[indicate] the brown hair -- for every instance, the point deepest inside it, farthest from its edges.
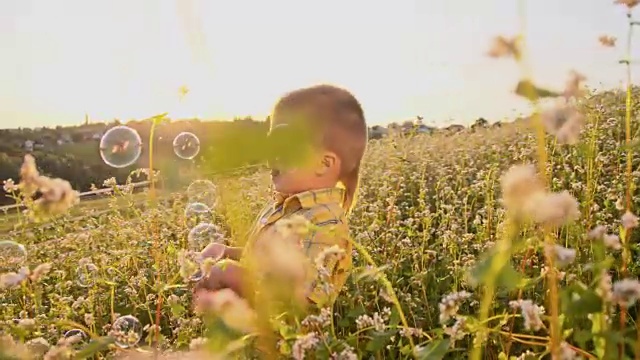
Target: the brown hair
(338, 121)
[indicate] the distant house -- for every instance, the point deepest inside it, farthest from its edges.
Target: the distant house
(455, 128)
(424, 129)
(377, 132)
(28, 145)
(38, 145)
(64, 139)
(97, 136)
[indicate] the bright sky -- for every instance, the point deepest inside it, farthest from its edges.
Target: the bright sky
(126, 59)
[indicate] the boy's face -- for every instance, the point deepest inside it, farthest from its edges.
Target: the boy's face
(297, 165)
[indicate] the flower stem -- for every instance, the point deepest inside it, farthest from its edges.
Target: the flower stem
(542, 166)
(388, 287)
(623, 309)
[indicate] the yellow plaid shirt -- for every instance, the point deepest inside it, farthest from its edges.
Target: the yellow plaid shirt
(322, 209)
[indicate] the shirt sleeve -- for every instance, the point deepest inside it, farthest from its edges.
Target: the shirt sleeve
(328, 250)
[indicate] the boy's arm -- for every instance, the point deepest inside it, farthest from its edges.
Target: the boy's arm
(233, 253)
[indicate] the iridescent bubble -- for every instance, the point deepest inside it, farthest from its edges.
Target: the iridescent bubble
(197, 276)
(197, 213)
(214, 252)
(186, 145)
(120, 147)
(12, 255)
(204, 234)
(86, 275)
(75, 338)
(202, 191)
(127, 331)
(196, 273)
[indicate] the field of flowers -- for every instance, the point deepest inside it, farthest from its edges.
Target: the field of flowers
(429, 223)
(516, 242)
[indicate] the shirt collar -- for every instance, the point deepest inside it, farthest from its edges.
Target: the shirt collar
(310, 198)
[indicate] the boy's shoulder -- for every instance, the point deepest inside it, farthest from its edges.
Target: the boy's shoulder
(325, 214)
(321, 205)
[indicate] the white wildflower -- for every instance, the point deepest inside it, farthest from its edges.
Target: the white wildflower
(530, 313)
(612, 241)
(9, 186)
(303, 344)
(562, 256)
(12, 279)
(457, 331)
(40, 271)
(564, 121)
(572, 87)
(567, 353)
(605, 287)
(626, 292)
(319, 321)
(597, 233)
(607, 41)
(450, 304)
(504, 47)
(629, 220)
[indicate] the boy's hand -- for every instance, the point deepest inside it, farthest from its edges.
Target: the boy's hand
(214, 251)
(220, 251)
(225, 274)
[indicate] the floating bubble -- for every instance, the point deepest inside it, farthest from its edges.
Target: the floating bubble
(86, 275)
(127, 331)
(120, 147)
(12, 255)
(197, 213)
(186, 145)
(204, 234)
(213, 252)
(76, 338)
(202, 191)
(196, 273)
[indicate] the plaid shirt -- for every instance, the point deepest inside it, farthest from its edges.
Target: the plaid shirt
(322, 209)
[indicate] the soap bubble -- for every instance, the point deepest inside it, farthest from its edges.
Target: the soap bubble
(196, 272)
(86, 275)
(75, 338)
(204, 234)
(212, 252)
(186, 145)
(197, 276)
(12, 255)
(197, 213)
(127, 331)
(120, 147)
(202, 191)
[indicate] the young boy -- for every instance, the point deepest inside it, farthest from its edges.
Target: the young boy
(319, 136)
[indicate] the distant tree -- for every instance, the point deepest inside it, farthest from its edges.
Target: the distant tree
(408, 124)
(77, 137)
(481, 122)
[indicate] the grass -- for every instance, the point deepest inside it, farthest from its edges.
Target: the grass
(427, 219)
(12, 219)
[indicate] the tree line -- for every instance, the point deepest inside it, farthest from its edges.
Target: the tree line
(73, 154)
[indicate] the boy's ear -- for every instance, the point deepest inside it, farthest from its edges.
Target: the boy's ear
(329, 162)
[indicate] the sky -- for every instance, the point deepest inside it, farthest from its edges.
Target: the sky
(401, 58)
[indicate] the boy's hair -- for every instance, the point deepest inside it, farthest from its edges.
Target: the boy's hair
(336, 118)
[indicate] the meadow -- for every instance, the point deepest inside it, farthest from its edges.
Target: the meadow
(429, 212)
(511, 242)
